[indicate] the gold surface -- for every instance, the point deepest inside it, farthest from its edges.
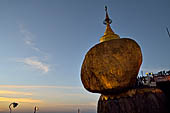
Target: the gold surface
(109, 34)
(111, 66)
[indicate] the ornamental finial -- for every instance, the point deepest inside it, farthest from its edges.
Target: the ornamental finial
(108, 34)
(107, 19)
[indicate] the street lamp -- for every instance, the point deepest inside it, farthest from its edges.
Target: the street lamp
(78, 110)
(36, 109)
(14, 105)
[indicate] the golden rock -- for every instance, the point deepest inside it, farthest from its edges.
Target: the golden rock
(111, 66)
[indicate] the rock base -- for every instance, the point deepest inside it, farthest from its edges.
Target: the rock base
(146, 100)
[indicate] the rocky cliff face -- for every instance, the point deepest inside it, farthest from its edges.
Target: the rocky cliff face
(145, 100)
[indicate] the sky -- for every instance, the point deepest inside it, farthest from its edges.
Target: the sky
(43, 44)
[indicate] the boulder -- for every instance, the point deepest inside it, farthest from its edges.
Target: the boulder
(111, 66)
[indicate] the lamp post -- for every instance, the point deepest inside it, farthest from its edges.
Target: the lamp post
(78, 110)
(14, 105)
(36, 109)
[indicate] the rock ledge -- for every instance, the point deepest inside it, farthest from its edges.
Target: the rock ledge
(146, 100)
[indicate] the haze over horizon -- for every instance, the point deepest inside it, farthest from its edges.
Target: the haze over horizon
(43, 44)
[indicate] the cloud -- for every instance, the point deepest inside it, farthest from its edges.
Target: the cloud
(28, 38)
(27, 35)
(14, 93)
(88, 104)
(31, 86)
(21, 100)
(35, 63)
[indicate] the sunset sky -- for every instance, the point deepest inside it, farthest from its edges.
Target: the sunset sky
(43, 44)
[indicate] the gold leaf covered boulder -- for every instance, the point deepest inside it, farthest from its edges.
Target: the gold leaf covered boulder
(112, 65)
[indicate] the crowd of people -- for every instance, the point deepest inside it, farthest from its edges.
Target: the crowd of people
(150, 79)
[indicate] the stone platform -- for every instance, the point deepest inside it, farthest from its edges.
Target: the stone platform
(146, 100)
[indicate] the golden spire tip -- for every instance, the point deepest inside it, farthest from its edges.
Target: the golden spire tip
(108, 34)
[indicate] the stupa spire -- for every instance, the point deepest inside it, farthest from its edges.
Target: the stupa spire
(108, 34)
(107, 19)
